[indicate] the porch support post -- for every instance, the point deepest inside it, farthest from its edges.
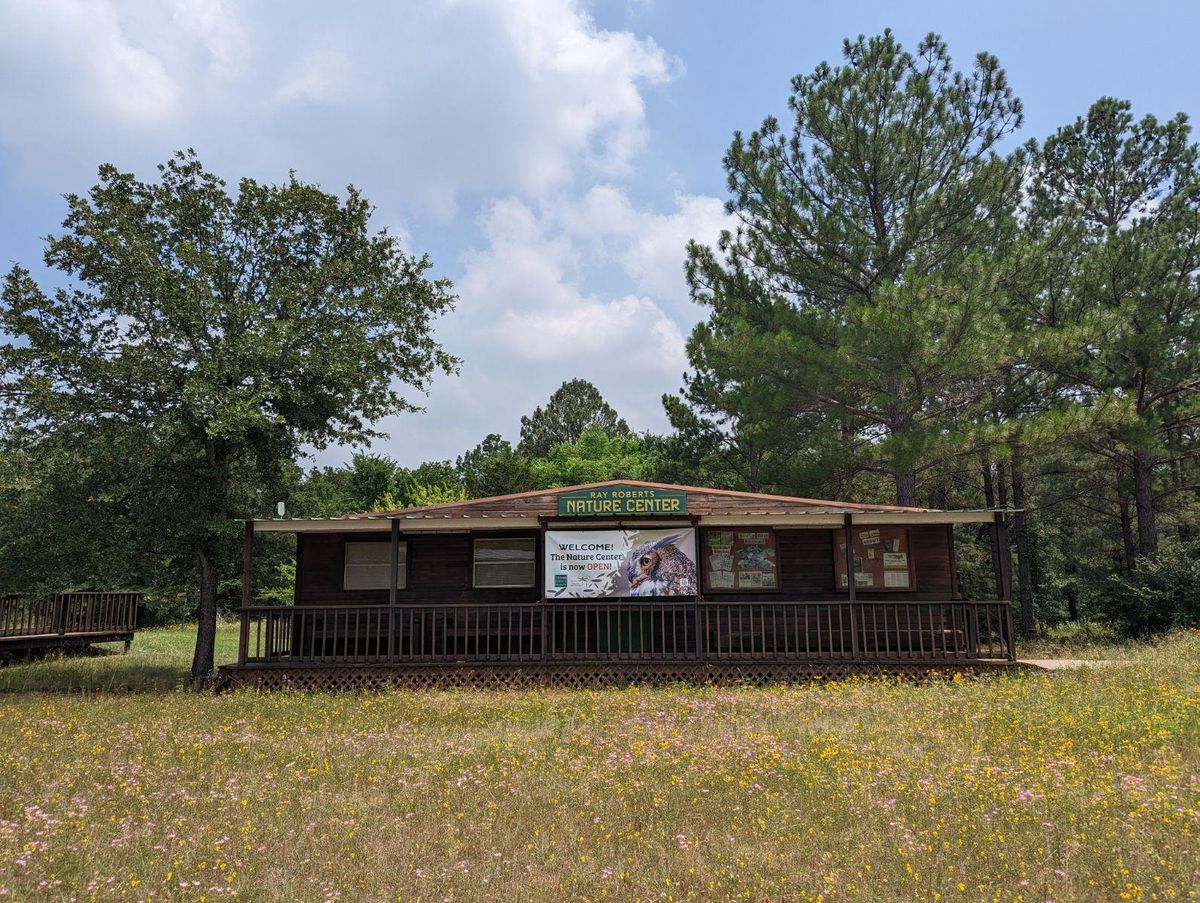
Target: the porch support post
(954, 593)
(247, 589)
(392, 581)
(540, 580)
(1003, 558)
(848, 538)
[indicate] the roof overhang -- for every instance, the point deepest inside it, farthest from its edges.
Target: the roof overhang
(407, 524)
(459, 524)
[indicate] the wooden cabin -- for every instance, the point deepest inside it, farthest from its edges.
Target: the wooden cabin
(618, 581)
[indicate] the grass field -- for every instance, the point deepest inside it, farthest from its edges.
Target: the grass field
(1084, 785)
(159, 662)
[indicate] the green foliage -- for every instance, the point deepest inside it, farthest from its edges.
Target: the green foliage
(904, 314)
(574, 407)
(597, 456)
(371, 483)
(494, 467)
(1124, 334)
(420, 494)
(206, 337)
(853, 304)
(1161, 595)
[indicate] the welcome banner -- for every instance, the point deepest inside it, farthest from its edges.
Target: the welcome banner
(608, 564)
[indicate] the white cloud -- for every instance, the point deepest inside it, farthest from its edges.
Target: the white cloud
(656, 254)
(524, 292)
(592, 331)
(322, 75)
(528, 320)
(508, 129)
(422, 103)
(66, 60)
(216, 27)
(649, 247)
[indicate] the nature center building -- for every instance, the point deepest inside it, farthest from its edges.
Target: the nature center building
(621, 581)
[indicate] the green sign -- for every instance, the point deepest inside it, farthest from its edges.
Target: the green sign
(622, 501)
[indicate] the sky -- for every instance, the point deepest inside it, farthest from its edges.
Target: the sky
(553, 157)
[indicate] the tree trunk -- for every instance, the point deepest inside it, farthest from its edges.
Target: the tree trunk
(1143, 497)
(1072, 594)
(206, 630)
(1126, 528)
(899, 425)
(1024, 552)
(906, 487)
(989, 497)
(218, 457)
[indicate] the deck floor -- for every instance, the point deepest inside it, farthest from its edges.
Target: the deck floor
(53, 640)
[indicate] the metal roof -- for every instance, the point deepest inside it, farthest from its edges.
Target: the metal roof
(705, 505)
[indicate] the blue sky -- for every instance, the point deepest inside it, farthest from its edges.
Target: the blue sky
(553, 157)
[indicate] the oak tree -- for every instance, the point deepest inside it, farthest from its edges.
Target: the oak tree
(200, 338)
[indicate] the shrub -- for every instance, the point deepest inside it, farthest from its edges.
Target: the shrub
(1162, 594)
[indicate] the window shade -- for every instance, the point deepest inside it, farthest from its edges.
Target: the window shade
(505, 563)
(368, 565)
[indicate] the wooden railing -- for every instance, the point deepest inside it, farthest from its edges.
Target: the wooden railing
(628, 631)
(67, 614)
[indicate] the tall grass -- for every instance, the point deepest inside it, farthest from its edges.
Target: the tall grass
(1081, 785)
(159, 661)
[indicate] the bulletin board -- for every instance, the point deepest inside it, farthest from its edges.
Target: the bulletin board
(741, 561)
(883, 559)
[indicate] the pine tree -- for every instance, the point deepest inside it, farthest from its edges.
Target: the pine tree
(852, 293)
(575, 406)
(1125, 344)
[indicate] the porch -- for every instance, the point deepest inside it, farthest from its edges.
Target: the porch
(605, 642)
(66, 619)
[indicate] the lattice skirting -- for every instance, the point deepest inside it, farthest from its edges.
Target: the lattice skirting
(569, 676)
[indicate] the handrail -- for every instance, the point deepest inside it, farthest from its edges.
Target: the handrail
(68, 614)
(629, 630)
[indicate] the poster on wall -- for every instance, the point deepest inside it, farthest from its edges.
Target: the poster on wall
(613, 564)
(881, 559)
(741, 560)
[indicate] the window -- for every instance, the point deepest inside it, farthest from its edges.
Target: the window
(741, 561)
(504, 563)
(882, 559)
(368, 565)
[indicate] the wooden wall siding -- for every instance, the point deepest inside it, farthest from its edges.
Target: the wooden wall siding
(439, 569)
(806, 565)
(806, 561)
(931, 556)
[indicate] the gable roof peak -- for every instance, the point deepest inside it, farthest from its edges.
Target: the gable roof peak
(648, 484)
